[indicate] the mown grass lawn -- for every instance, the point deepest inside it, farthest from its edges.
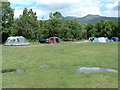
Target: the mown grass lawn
(63, 60)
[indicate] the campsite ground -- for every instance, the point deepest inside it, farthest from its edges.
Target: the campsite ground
(63, 60)
(62, 42)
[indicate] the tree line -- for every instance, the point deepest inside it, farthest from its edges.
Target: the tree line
(31, 28)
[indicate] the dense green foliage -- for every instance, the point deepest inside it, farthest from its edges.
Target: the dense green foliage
(6, 18)
(28, 26)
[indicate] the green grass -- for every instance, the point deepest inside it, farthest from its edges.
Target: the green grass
(64, 58)
(34, 43)
(1, 45)
(38, 43)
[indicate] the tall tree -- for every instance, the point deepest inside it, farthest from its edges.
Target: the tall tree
(54, 25)
(28, 24)
(58, 15)
(75, 29)
(107, 28)
(65, 31)
(90, 31)
(111, 28)
(99, 26)
(7, 14)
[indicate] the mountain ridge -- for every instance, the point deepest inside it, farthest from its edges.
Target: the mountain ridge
(90, 18)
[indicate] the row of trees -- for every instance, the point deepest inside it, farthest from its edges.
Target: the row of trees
(28, 26)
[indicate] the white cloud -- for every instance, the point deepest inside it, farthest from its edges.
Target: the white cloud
(40, 14)
(65, 4)
(112, 9)
(83, 11)
(112, 0)
(18, 12)
(21, 1)
(77, 8)
(84, 8)
(110, 13)
(111, 5)
(56, 4)
(72, 7)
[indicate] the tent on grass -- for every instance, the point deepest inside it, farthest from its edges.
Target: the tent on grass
(100, 39)
(115, 39)
(16, 40)
(54, 39)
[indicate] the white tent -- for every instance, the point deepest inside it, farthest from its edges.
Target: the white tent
(100, 39)
(16, 40)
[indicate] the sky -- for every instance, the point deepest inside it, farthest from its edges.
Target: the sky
(77, 8)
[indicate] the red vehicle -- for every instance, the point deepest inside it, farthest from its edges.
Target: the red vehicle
(54, 39)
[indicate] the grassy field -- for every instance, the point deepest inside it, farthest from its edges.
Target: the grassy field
(38, 43)
(63, 60)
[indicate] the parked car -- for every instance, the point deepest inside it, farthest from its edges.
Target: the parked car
(44, 41)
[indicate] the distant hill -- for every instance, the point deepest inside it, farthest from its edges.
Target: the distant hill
(90, 18)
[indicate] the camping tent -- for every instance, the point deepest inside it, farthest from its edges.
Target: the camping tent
(100, 39)
(54, 39)
(16, 40)
(115, 39)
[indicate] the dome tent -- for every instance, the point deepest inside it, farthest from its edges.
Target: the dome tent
(54, 39)
(100, 39)
(16, 40)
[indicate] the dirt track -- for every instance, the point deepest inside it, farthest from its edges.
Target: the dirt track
(44, 45)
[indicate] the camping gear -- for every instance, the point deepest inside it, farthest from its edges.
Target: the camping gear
(16, 40)
(100, 39)
(54, 39)
(95, 40)
(115, 39)
(91, 39)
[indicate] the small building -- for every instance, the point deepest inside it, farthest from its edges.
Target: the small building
(16, 40)
(54, 39)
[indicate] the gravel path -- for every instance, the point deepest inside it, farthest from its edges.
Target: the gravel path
(44, 45)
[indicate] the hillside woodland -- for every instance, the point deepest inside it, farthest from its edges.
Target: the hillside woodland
(31, 28)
